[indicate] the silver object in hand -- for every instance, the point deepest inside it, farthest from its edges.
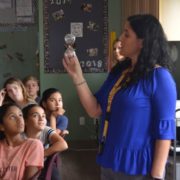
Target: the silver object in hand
(69, 43)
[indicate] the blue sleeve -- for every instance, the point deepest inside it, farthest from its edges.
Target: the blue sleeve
(61, 122)
(164, 103)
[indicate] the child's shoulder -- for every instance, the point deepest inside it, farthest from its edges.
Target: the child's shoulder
(32, 142)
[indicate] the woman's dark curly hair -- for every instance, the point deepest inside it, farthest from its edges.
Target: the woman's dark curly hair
(155, 50)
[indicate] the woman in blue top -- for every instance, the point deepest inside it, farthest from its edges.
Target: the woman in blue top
(136, 103)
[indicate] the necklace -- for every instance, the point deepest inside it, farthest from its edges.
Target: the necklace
(123, 78)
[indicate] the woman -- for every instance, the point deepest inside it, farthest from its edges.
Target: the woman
(16, 92)
(20, 158)
(137, 125)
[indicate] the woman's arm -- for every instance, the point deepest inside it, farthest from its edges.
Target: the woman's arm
(88, 100)
(164, 103)
(160, 158)
(58, 144)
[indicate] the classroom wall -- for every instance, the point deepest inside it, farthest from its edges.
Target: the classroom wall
(18, 52)
(73, 108)
(18, 58)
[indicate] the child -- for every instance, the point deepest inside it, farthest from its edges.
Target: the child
(2, 96)
(31, 84)
(20, 158)
(117, 57)
(35, 122)
(52, 103)
(16, 93)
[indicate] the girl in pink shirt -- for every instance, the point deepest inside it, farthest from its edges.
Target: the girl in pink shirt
(20, 158)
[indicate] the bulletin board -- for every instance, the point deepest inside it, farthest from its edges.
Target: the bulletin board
(88, 21)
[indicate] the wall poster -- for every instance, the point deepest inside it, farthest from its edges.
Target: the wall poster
(16, 12)
(88, 21)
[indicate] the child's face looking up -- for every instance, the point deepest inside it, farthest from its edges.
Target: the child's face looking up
(36, 118)
(13, 122)
(14, 91)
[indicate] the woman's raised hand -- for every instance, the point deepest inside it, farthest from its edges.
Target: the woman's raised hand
(73, 67)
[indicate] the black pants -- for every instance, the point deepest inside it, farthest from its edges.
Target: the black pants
(108, 174)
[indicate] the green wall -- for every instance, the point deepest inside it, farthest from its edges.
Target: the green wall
(62, 81)
(18, 53)
(18, 58)
(26, 43)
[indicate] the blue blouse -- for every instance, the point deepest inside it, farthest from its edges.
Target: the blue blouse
(140, 114)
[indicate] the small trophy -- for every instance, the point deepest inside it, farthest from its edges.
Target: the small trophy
(69, 44)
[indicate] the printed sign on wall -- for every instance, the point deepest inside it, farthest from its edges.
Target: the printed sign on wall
(88, 22)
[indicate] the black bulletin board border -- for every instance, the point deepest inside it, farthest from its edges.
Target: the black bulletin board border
(88, 21)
